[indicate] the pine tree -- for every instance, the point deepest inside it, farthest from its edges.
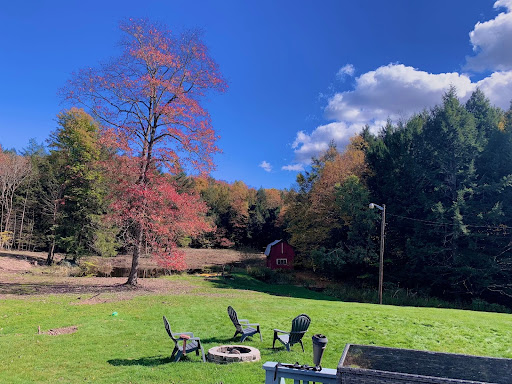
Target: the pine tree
(80, 200)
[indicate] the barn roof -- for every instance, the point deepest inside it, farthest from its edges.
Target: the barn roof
(269, 247)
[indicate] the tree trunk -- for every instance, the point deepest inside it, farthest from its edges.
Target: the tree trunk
(51, 247)
(2, 214)
(13, 238)
(132, 277)
(31, 245)
(9, 210)
(139, 236)
(20, 239)
(51, 253)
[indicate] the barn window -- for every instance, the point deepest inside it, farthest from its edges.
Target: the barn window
(282, 261)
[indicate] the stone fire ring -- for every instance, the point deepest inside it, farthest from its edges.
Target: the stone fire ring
(233, 354)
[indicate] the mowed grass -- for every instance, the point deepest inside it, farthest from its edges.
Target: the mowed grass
(134, 348)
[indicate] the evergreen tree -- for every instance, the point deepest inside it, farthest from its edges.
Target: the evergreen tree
(449, 149)
(486, 117)
(397, 179)
(493, 213)
(79, 188)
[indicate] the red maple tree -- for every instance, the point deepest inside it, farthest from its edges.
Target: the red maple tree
(149, 101)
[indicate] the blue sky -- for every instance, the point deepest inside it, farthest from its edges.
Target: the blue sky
(300, 73)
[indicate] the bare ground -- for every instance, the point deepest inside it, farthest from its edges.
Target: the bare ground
(196, 259)
(60, 331)
(25, 274)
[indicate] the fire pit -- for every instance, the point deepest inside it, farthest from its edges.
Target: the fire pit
(233, 354)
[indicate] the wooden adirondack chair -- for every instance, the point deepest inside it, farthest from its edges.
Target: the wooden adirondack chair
(189, 343)
(243, 326)
(300, 326)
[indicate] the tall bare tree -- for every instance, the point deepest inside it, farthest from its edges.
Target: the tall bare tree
(14, 169)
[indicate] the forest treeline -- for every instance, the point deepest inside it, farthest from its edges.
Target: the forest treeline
(58, 198)
(445, 176)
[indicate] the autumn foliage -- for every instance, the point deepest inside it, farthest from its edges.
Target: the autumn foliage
(243, 216)
(149, 101)
(313, 218)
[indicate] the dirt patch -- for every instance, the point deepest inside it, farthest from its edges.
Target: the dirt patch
(22, 261)
(197, 259)
(60, 331)
(103, 289)
(24, 274)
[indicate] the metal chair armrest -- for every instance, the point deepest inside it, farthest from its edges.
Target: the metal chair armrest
(278, 330)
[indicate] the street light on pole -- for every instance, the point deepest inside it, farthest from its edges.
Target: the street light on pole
(381, 258)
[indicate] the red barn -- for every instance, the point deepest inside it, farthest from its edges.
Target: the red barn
(280, 255)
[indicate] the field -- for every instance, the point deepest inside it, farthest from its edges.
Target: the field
(89, 344)
(24, 272)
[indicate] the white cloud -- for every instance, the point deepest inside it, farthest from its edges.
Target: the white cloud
(266, 166)
(396, 91)
(346, 70)
(308, 145)
(393, 91)
(498, 88)
(492, 41)
(293, 167)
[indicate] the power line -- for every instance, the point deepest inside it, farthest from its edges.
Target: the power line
(438, 223)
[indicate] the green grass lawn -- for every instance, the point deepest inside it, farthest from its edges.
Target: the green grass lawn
(134, 348)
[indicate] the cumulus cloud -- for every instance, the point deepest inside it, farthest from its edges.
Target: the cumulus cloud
(498, 88)
(492, 42)
(396, 91)
(393, 91)
(346, 70)
(308, 145)
(293, 167)
(266, 166)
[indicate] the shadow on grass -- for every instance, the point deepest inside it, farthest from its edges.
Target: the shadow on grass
(219, 340)
(151, 361)
(278, 349)
(242, 281)
(45, 288)
(23, 257)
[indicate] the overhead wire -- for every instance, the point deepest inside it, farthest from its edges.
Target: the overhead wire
(438, 223)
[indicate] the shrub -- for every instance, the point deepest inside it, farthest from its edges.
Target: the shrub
(105, 242)
(270, 276)
(5, 238)
(96, 266)
(407, 297)
(482, 305)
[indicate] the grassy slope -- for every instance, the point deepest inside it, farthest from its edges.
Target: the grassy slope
(133, 346)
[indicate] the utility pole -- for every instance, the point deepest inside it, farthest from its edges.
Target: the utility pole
(381, 258)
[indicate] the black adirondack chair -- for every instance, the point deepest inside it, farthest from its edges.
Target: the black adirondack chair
(300, 326)
(243, 326)
(191, 343)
